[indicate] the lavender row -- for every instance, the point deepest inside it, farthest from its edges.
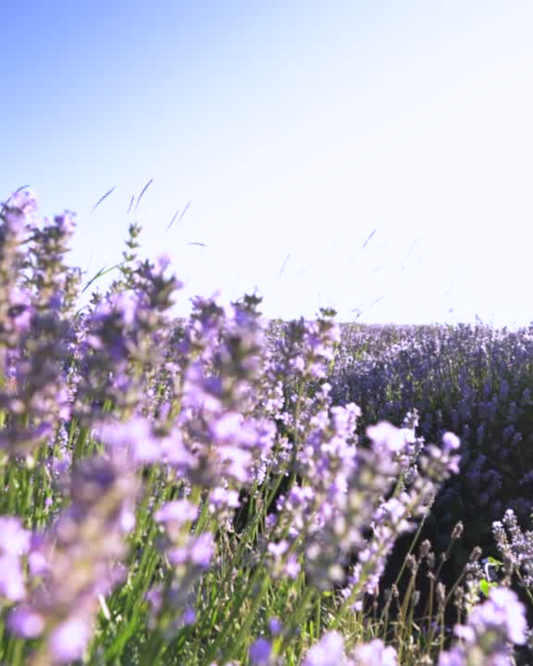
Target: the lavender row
(194, 493)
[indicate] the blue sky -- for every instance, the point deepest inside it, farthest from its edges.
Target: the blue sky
(296, 130)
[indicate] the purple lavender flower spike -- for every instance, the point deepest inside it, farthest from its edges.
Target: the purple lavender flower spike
(491, 629)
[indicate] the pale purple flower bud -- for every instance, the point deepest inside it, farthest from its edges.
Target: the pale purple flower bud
(134, 437)
(221, 498)
(11, 579)
(178, 511)
(450, 442)
(375, 654)
(14, 540)
(275, 626)
(491, 626)
(227, 427)
(68, 640)
(25, 622)
(260, 652)
(292, 568)
(174, 452)
(385, 435)
(37, 563)
(126, 304)
(236, 461)
(278, 549)
(127, 520)
(189, 617)
(198, 550)
(329, 651)
(504, 612)
(455, 657)
(66, 222)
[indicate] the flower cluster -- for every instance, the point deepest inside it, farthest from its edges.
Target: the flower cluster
(492, 626)
(515, 546)
(74, 565)
(472, 380)
(14, 544)
(330, 651)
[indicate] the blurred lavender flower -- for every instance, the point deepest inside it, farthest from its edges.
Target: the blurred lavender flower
(133, 439)
(394, 517)
(275, 626)
(228, 438)
(12, 585)
(14, 543)
(329, 651)
(260, 652)
(385, 436)
(125, 343)
(16, 214)
(374, 653)
(38, 398)
(81, 553)
(177, 512)
(25, 622)
(491, 628)
(189, 557)
(194, 556)
(14, 539)
(68, 640)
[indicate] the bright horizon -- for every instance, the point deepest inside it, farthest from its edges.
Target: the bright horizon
(298, 132)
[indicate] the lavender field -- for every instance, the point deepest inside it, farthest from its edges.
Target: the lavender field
(226, 490)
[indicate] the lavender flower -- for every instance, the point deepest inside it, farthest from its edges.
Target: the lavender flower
(14, 543)
(491, 628)
(14, 539)
(81, 554)
(68, 640)
(329, 651)
(260, 652)
(15, 215)
(515, 545)
(374, 653)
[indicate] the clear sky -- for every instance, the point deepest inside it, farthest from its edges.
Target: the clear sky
(296, 130)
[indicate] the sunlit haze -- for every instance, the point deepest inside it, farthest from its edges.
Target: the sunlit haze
(376, 157)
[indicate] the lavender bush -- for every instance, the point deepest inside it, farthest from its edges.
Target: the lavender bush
(197, 492)
(473, 380)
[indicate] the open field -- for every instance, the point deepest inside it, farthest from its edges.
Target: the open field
(221, 490)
